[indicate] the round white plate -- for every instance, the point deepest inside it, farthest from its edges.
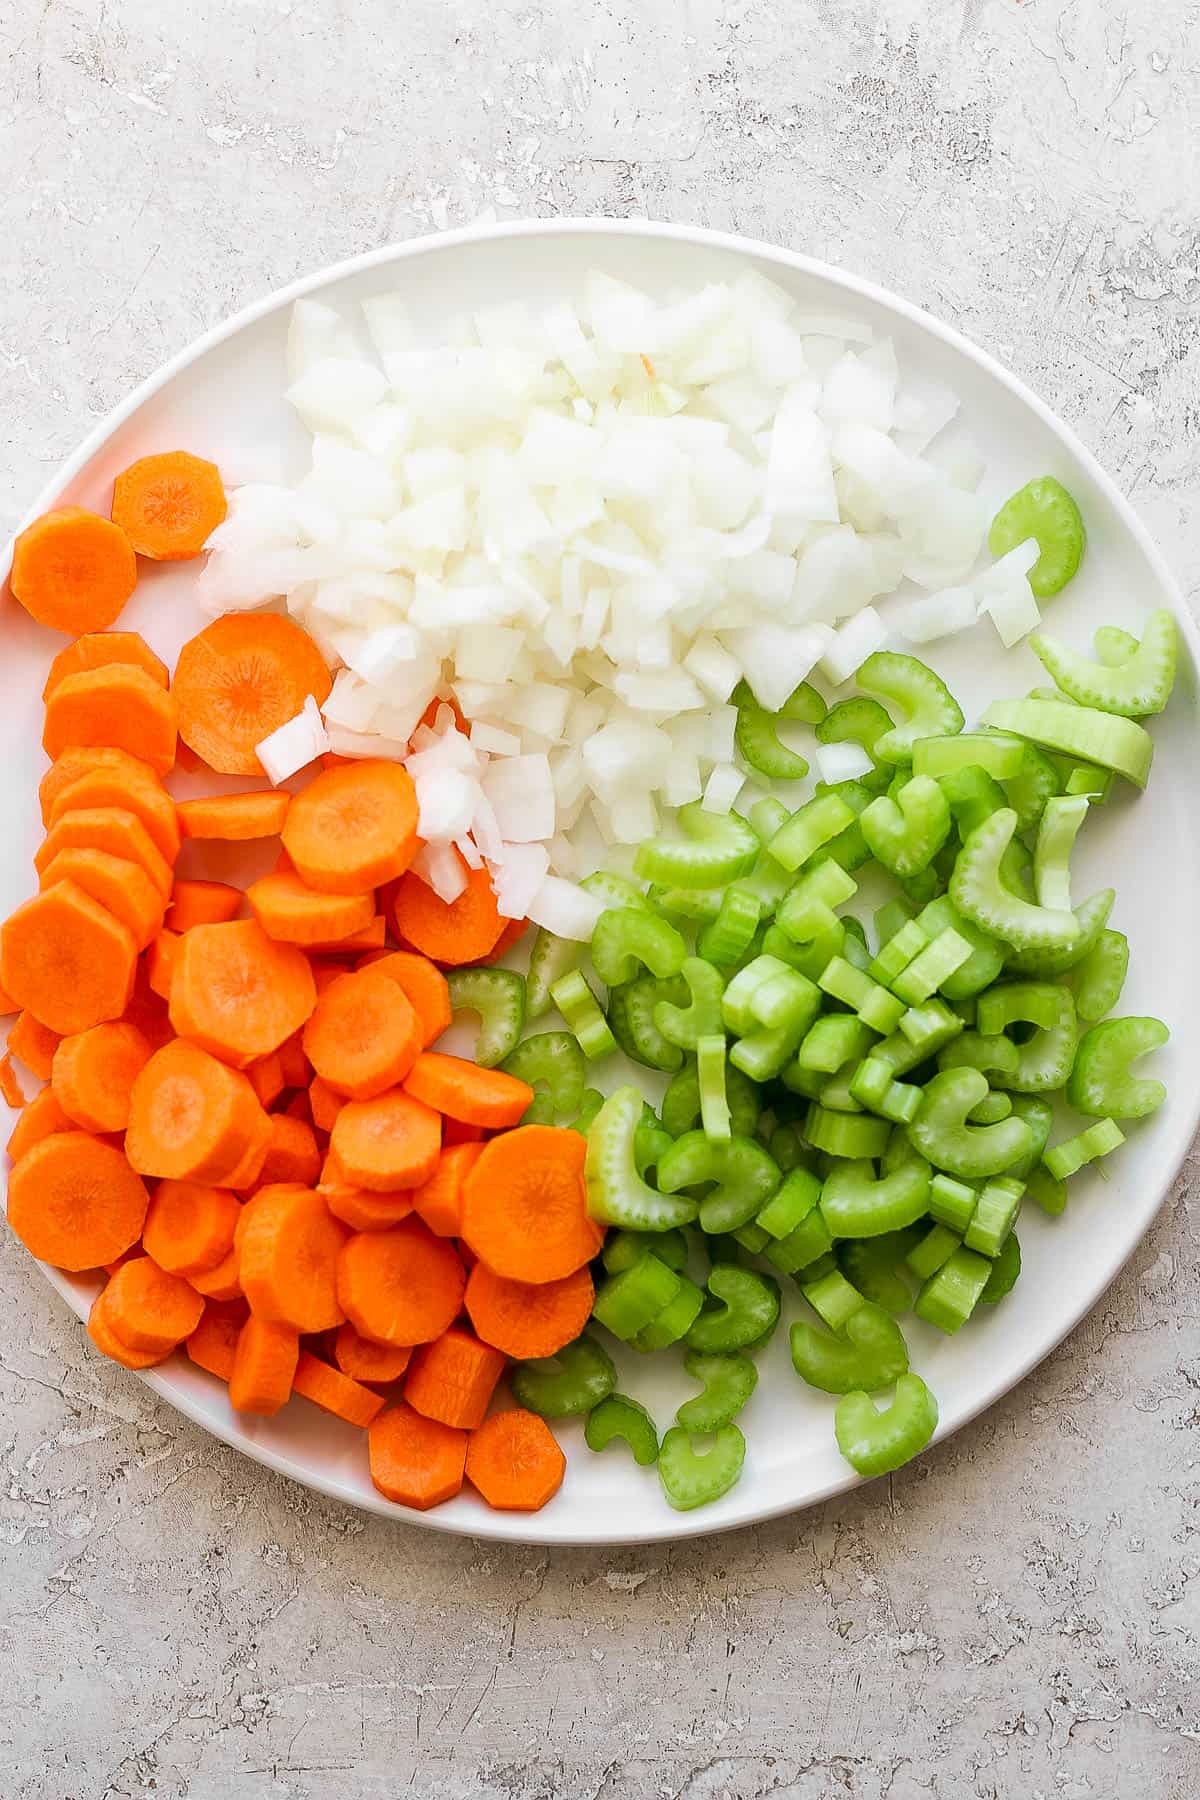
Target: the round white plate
(224, 398)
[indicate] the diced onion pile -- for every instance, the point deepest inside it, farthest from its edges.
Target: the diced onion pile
(588, 525)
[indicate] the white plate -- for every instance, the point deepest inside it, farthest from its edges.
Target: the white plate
(223, 397)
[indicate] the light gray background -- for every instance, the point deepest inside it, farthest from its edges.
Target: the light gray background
(1016, 1615)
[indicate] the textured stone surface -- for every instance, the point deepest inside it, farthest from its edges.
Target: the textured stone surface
(1016, 1616)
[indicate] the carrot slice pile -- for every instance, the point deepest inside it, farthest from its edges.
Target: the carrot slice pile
(425, 988)
(117, 706)
(415, 1461)
(116, 883)
(66, 960)
(73, 570)
(79, 760)
(239, 680)
(168, 505)
(146, 799)
(76, 1202)
(460, 931)
(112, 829)
(515, 1462)
(353, 827)
(95, 648)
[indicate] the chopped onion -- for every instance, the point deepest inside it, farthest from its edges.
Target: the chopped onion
(842, 762)
(852, 645)
(565, 909)
(293, 745)
(520, 792)
(440, 867)
(936, 615)
(722, 788)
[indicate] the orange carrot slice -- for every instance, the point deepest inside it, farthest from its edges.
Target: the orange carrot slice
(527, 1319)
(439, 1200)
(402, 1286)
(234, 818)
(294, 914)
(97, 648)
(107, 1340)
(265, 1075)
(236, 992)
(145, 798)
(292, 1153)
(515, 1461)
(524, 1205)
(73, 570)
(213, 1344)
(362, 1210)
(11, 1091)
(353, 828)
(462, 1090)
(149, 1308)
(202, 903)
(120, 886)
(67, 960)
(94, 1073)
(168, 505)
(264, 1365)
(75, 1202)
(416, 1462)
(424, 986)
(288, 1261)
(363, 1036)
(160, 963)
(42, 1117)
(220, 1283)
(461, 931)
(359, 1358)
(118, 706)
(85, 759)
(189, 1227)
(295, 1066)
(324, 1104)
(240, 679)
(112, 829)
(33, 1044)
(192, 1118)
(453, 1378)
(386, 1143)
(335, 1392)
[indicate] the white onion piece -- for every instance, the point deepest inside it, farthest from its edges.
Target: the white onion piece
(492, 741)
(294, 744)
(516, 876)
(856, 640)
(722, 788)
(842, 762)
(775, 659)
(469, 851)
(440, 867)
(564, 908)
(936, 615)
(446, 802)
(520, 792)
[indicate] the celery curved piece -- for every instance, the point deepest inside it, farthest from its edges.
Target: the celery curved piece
(937, 964)
(619, 1417)
(819, 821)
(875, 1443)
(869, 1356)
(650, 1143)
(790, 1204)
(1042, 509)
(715, 1120)
(742, 1171)
(727, 937)
(950, 1296)
(849, 848)
(857, 1204)
(952, 1203)
(874, 1267)
(703, 904)
(674, 1321)
(987, 955)
(1099, 976)
(1006, 1267)
(1038, 1115)
(931, 1251)
(941, 1134)
(626, 938)
(991, 1109)
(727, 1382)
(1047, 1191)
(973, 796)
(994, 1053)
(1091, 736)
(831, 1296)
(631, 1020)
(552, 1063)
(685, 1026)
(497, 997)
(994, 1216)
(1030, 788)
(737, 1000)
(1140, 684)
(786, 999)
(804, 705)
(858, 721)
(616, 891)
(1044, 1060)
(717, 847)
(998, 756)
(578, 1377)
(929, 708)
(628, 1302)
(905, 834)
(762, 1055)
(756, 736)
(691, 1477)
(1113, 646)
(590, 1103)
(833, 1040)
(623, 1248)
(854, 1136)
(1070, 1156)
(977, 892)
(747, 1310)
(1101, 1084)
(550, 959)
(680, 1109)
(806, 911)
(1062, 817)
(581, 1010)
(616, 1193)
(1044, 964)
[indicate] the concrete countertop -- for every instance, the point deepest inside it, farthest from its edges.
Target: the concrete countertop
(1017, 1614)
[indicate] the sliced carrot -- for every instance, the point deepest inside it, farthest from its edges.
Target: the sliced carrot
(264, 1365)
(527, 1319)
(122, 887)
(324, 1104)
(67, 960)
(294, 914)
(192, 1118)
(246, 1173)
(414, 1461)
(288, 1257)
(168, 505)
(96, 648)
(202, 903)
(453, 1378)
(425, 987)
(439, 1200)
(455, 932)
(160, 961)
(150, 1308)
(292, 1154)
(456, 1131)
(265, 1075)
(118, 706)
(221, 1283)
(143, 796)
(84, 759)
(146, 1009)
(298, 1107)
(213, 1344)
(515, 1461)
(34, 1045)
(359, 1358)
(512, 934)
(386, 1143)
(235, 818)
(186, 759)
(294, 1065)
(73, 570)
(240, 679)
(7, 1004)
(462, 1090)
(75, 1202)
(335, 1392)
(363, 1210)
(11, 1091)
(113, 829)
(363, 1036)
(236, 992)
(189, 1227)
(94, 1072)
(524, 1205)
(42, 1117)
(402, 1286)
(371, 937)
(354, 827)
(107, 1339)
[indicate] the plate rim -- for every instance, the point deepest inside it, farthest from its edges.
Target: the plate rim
(513, 1527)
